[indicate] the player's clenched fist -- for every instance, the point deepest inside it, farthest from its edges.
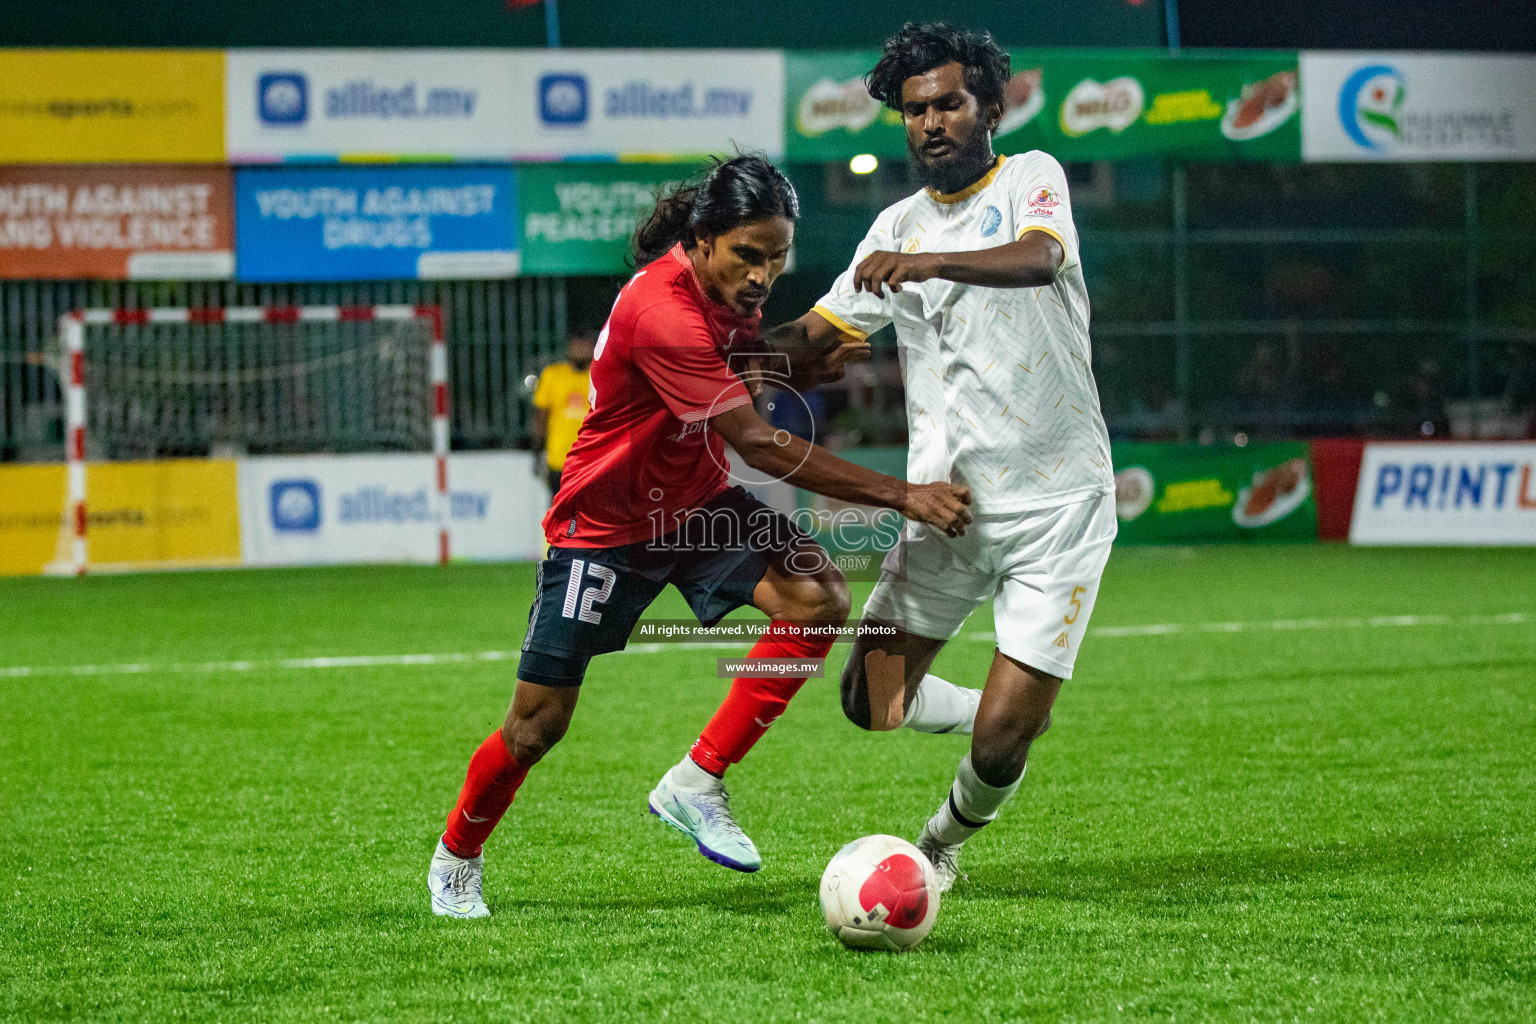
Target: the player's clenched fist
(941, 505)
(890, 269)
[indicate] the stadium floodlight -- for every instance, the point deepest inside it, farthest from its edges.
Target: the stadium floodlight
(864, 163)
(179, 382)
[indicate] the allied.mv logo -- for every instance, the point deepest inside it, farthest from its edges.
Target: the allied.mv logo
(295, 506)
(563, 99)
(282, 98)
(1370, 104)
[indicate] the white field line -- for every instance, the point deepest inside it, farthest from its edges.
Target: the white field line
(1286, 625)
(480, 657)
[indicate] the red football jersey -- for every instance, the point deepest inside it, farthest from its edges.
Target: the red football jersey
(645, 453)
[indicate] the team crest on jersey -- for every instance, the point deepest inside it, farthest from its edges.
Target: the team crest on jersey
(991, 220)
(1043, 197)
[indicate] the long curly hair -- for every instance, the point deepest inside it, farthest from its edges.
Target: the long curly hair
(729, 194)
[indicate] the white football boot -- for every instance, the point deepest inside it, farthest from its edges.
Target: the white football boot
(696, 804)
(454, 882)
(944, 857)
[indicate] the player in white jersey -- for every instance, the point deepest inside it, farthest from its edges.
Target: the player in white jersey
(979, 274)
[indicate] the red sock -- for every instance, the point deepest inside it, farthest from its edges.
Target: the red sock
(488, 790)
(755, 702)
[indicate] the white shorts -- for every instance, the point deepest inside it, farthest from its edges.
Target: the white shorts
(1043, 567)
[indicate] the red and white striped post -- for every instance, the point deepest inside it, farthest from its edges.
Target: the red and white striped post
(440, 427)
(72, 335)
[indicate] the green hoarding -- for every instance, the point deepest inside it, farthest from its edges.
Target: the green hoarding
(578, 218)
(1164, 494)
(1173, 493)
(1074, 104)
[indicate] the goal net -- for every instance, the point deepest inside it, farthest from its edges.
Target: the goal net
(191, 383)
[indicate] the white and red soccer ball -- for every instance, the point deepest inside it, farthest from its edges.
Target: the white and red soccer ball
(880, 892)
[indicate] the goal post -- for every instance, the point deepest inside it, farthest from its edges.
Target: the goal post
(180, 381)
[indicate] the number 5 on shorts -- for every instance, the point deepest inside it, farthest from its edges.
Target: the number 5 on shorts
(1077, 606)
(578, 603)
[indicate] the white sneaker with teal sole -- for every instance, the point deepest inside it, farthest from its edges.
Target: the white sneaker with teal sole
(454, 883)
(696, 804)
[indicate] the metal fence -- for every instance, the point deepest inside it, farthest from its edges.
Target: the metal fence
(1263, 299)
(1359, 300)
(498, 332)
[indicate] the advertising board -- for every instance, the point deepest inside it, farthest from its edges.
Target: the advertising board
(1164, 494)
(646, 104)
(177, 513)
(32, 510)
(115, 223)
(1074, 104)
(1172, 493)
(579, 218)
(111, 106)
(1448, 493)
(335, 509)
(352, 223)
(1418, 106)
(308, 105)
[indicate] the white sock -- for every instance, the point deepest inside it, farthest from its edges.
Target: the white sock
(941, 706)
(970, 805)
(689, 775)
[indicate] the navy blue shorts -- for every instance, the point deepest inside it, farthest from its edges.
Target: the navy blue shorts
(589, 599)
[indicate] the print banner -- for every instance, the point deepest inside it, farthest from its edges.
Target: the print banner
(1446, 494)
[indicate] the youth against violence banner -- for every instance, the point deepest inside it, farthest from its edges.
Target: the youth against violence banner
(1074, 104)
(116, 222)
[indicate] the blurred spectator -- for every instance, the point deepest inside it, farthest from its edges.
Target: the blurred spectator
(560, 404)
(1262, 379)
(1520, 389)
(1422, 401)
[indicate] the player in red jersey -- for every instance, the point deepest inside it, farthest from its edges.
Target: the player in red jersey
(645, 500)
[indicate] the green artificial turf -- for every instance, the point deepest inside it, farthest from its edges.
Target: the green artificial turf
(1317, 821)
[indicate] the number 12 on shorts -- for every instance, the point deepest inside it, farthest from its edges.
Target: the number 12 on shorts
(578, 602)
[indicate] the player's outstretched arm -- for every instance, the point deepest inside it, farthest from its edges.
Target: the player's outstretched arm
(1031, 262)
(787, 457)
(817, 349)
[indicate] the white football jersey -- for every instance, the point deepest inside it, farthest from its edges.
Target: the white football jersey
(1000, 391)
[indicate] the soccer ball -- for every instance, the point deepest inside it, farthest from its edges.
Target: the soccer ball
(880, 892)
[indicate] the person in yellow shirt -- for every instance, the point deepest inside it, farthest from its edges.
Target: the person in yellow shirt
(560, 404)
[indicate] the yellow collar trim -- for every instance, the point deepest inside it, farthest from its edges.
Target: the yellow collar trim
(971, 189)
